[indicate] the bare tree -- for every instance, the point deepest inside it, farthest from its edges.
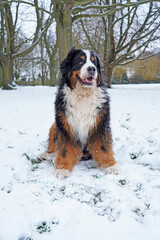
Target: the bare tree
(8, 46)
(68, 11)
(125, 35)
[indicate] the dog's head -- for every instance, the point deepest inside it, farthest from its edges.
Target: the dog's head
(81, 66)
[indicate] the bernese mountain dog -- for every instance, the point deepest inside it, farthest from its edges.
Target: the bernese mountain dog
(82, 116)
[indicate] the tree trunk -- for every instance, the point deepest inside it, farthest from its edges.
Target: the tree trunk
(43, 75)
(42, 62)
(109, 57)
(64, 27)
(108, 75)
(52, 77)
(7, 69)
(6, 59)
(53, 71)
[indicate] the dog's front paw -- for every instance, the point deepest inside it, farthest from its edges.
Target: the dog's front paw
(61, 173)
(115, 169)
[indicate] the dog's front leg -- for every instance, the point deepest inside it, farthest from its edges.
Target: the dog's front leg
(101, 149)
(67, 156)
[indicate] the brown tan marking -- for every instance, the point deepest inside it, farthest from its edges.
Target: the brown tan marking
(66, 125)
(101, 147)
(92, 58)
(52, 138)
(72, 153)
(82, 57)
(53, 133)
(74, 78)
(102, 151)
(98, 78)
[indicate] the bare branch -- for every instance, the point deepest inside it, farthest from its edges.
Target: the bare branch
(28, 50)
(133, 41)
(16, 18)
(47, 45)
(118, 6)
(140, 30)
(38, 21)
(28, 3)
(94, 14)
(87, 35)
(123, 16)
(138, 57)
(83, 2)
(149, 56)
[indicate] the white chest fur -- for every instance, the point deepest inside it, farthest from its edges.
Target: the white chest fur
(82, 109)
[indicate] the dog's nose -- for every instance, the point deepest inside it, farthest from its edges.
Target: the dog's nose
(91, 70)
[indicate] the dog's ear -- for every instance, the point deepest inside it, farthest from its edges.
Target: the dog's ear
(67, 62)
(100, 74)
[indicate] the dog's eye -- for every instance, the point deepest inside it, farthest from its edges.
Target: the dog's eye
(81, 62)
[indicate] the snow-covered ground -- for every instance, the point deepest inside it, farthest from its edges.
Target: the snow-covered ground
(88, 205)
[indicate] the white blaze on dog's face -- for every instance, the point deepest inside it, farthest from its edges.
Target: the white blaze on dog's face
(88, 72)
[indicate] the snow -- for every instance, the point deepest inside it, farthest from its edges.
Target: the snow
(88, 205)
